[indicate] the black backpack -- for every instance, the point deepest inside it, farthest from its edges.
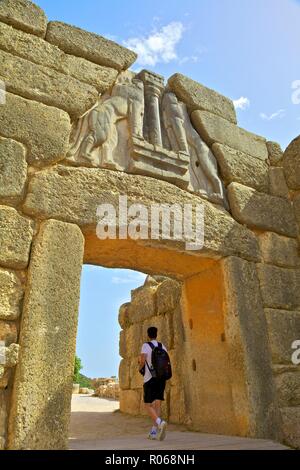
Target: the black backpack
(161, 364)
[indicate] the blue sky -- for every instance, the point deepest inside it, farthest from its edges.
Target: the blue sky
(247, 50)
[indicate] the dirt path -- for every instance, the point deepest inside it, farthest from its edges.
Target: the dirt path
(96, 423)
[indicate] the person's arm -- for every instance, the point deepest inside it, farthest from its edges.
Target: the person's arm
(142, 359)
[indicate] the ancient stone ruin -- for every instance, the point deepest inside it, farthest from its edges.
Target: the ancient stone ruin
(78, 129)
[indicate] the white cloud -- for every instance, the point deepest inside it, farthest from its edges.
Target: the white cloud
(128, 278)
(159, 46)
(241, 103)
(194, 59)
(277, 115)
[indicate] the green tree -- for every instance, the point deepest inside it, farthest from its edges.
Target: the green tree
(77, 368)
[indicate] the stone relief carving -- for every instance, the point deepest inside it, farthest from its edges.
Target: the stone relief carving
(142, 128)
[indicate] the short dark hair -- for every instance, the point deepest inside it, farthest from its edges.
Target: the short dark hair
(152, 332)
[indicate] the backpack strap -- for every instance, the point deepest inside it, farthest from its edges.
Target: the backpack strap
(151, 345)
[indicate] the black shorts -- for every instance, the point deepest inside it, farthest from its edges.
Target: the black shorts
(154, 390)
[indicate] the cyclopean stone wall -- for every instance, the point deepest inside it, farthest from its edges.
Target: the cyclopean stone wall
(157, 303)
(57, 166)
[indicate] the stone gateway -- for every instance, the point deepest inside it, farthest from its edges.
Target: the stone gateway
(78, 129)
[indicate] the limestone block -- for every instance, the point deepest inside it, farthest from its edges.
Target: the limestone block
(297, 209)
(291, 426)
(90, 46)
(130, 341)
(178, 327)
(124, 374)
(143, 304)
(40, 52)
(246, 333)
(279, 287)
(237, 166)
(75, 186)
(279, 250)
(15, 238)
(283, 330)
(10, 355)
(124, 319)
(216, 129)
(8, 332)
(11, 295)
(24, 121)
(136, 379)
(75, 389)
(42, 388)
(291, 164)
(165, 331)
(130, 401)
(197, 96)
(39, 83)
(177, 405)
(259, 210)
(168, 296)
(278, 186)
(24, 15)
(275, 153)
(288, 388)
(176, 363)
(13, 170)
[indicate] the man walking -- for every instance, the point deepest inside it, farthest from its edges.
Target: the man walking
(155, 381)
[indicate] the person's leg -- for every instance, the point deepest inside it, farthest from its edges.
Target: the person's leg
(157, 407)
(150, 408)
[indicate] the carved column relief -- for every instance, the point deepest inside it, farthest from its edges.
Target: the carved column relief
(142, 128)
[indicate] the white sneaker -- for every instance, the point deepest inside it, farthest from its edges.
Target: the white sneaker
(162, 430)
(152, 435)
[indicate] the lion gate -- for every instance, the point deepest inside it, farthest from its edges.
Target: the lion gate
(78, 130)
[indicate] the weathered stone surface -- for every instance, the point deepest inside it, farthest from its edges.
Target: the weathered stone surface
(41, 411)
(24, 121)
(197, 96)
(43, 53)
(13, 170)
(177, 405)
(259, 210)
(39, 83)
(11, 355)
(291, 426)
(247, 339)
(168, 296)
(90, 46)
(279, 287)
(216, 129)
(136, 379)
(129, 401)
(291, 164)
(15, 238)
(11, 295)
(8, 332)
(278, 186)
(275, 153)
(124, 374)
(143, 304)
(82, 190)
(237, 166)
(124, 320)
(165, 331)
(278, 250)
(288, 388)
(296, 205)
(129, 346)
(24, 15)
(283, 330)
